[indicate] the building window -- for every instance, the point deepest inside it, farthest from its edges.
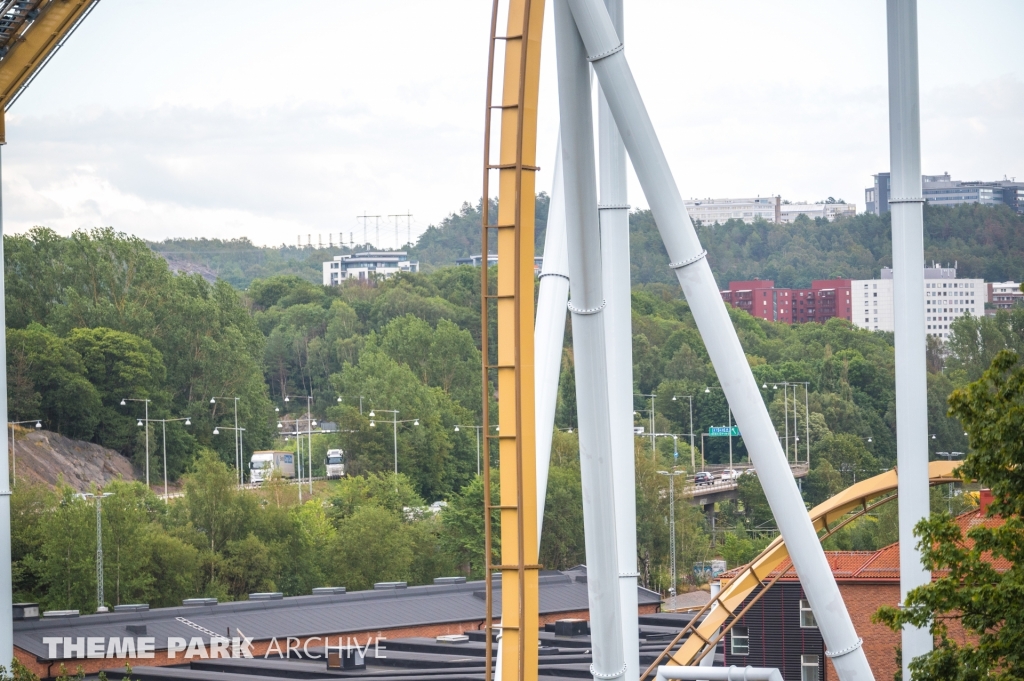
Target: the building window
(808, 668)
(807, 615)
(740, 641)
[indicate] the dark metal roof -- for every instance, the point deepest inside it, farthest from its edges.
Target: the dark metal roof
(303, 616)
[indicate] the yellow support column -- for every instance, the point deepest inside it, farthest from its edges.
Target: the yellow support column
(514, 298)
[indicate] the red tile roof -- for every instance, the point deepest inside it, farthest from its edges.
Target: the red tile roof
(880, 565)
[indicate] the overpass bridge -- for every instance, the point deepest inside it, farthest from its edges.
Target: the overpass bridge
(707, 496)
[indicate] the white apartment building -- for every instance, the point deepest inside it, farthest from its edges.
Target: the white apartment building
(945, 299)
(788, 212)
(1004, 295)
(367, 265)
(710, 211)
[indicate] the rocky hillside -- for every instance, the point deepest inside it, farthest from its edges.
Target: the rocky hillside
(42, 456)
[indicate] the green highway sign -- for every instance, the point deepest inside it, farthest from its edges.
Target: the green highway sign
(723, 431)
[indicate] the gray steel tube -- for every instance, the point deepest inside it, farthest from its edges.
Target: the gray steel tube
(719, 673)
(712, 318)
(587, 307)
(549, 332)
(6, 595)
(618, 333)
(908, 305)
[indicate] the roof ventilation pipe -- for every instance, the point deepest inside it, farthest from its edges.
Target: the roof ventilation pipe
(687, 259)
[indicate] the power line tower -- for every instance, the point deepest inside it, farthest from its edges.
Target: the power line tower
(364, 217)
(408, 227)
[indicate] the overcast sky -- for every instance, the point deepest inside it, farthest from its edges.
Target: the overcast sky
(269, 119)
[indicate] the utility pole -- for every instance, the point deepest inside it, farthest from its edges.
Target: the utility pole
(672, 528)
(124, 402)
(99, 549)
(408, 227)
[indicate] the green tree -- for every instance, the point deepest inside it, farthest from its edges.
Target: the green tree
(372, 545)
(969, 584)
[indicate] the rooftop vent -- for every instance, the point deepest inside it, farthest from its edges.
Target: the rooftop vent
(199, 601)
(453, 638)
(328, 590)
(132, 607)
(60, 613)
(136, 629)
(449, 580)
(266, 596)
(571, 627)
(390, 585)
(26, 611)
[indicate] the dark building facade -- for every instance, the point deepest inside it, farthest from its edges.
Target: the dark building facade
(827, 298)
(779, 631)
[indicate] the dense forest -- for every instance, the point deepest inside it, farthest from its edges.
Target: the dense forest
(99, 317)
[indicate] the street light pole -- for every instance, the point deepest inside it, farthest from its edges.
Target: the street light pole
(124, 402)
(238, 438)
(693, 463)
(394, 427)
(14, 463)
(163, 428)
(477, 429)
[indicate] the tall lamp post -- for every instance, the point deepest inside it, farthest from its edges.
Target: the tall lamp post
(238, 436)
(14, 464)
(163, 430)
(807, 416)
(672, 530)
(124, 402)
(478, 429)
(651, 415)
(309, 436)
(693, 464)
(394, 430)
(99, 547)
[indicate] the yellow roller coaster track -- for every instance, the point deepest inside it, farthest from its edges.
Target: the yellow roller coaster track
(713, 622)
(511, 363)
(31, 31)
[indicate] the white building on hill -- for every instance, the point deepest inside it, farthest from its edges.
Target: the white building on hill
(367, 265)
(945, 299)
(788, 212)
(710, 211)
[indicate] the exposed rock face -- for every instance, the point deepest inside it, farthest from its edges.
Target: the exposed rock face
(43, 456)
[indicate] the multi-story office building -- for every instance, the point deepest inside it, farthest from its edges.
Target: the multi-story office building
(788, 212)
(942, 190)
(367, 265)
(1004, 295)
(825, 299)
(710, 211)
(945, 297)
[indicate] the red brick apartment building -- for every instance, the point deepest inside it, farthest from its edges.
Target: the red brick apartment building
(827, 298)
(780, 630)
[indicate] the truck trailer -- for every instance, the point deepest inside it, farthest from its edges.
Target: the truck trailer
(263, 464)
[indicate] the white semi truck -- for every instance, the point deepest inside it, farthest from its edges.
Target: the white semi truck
(334, 464)
(263, 464)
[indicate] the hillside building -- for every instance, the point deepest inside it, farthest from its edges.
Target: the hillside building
(1004, 295)
(366, 265)
(788, 212)
(942, 190)
(945, 297)
(710, 211)
(827, 298)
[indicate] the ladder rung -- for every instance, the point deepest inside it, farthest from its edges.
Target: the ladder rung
(505, 507)
(516, 567)
(510, 166)
(508, 37)
(501, 366)
(504, 106)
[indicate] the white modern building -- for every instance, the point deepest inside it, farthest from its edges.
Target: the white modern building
(788, 212)
(367, 265)
(945, 299)
(710, 211)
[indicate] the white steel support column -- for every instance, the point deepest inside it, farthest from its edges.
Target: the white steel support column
(687, 259)
(908, 301)
(583, 239)
(549, 332)
(6, 595)
(618, 334)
